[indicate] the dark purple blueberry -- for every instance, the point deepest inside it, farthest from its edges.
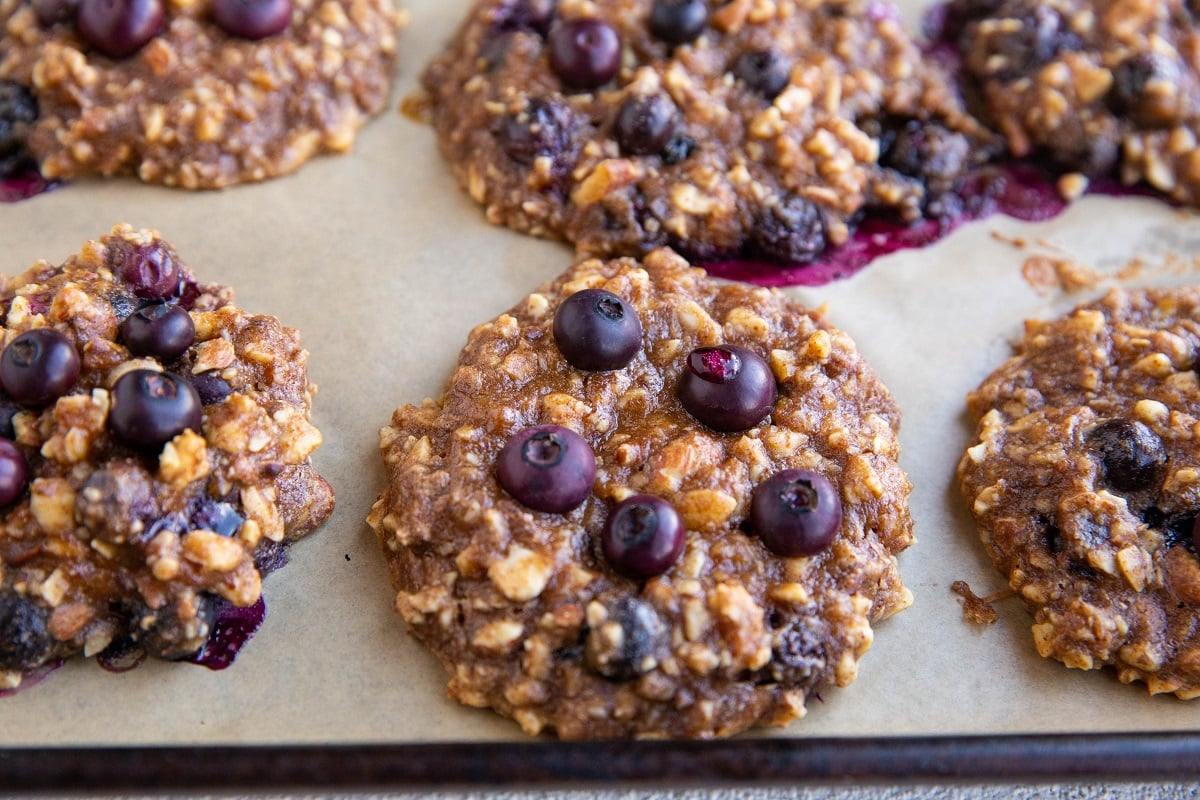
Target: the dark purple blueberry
(151, 270)
(1196, 535)
(728, 387)
(52, 12)
(14, 473)
(936, 156)
(946, 22)
(119, 28)
(642, 537)
(150, 408)
(211, 515)
(764, 72)
(211, 387)
(584, 53)
(1129, 93)
(252, 19)
(545, 128)
(1031, 34)
(18, 111)
(796, 512)
(628, 642)
(678, 21)
(8, 410)
(118, 503)
(39, 366)
(679, 148)
(596, 330)
(547, 468)
(1131, 454)
(525, 15)
(789, 232)
(645, 125)
(161, 330)
(24, 640)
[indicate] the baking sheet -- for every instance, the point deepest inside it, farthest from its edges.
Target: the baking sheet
(385, 265)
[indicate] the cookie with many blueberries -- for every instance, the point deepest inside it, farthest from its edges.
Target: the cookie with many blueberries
(1085, 481)
(200, 95)
(1101, 88)
(155, 451)
(648, 505)
(719, 129)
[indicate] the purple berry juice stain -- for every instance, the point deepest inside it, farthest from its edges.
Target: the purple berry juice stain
(232, 628)
(22, 184)
(32, 678)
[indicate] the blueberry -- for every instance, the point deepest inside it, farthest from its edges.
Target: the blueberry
(211, 387)
(18, 110)
(728, 388)
(953, 17)
(524, 15)
(1034, 34)
(161, 330)
(796, 512)
(678, 21)
(596, 330)
(679, 148)
(584, 53)
(52, 12)
(119, 28)
(1129, 94)
(645, 125)
(798, 655)
(163, 633)
(150, 408)
(151, 270)
(24, 640)
(14, 473)
(642, 537)
(252, 19)
(1130, 453)
(39, 366)
(764, 72)
(8, 410)
(211, 515)
(547, 468)
(118, 503)
(790, 232)
(938, 157)
(627, 643)
(545, 128)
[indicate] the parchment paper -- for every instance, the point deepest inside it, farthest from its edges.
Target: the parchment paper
(385, 265)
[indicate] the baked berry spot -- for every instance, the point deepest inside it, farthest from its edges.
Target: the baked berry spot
(595, 330)
(252, 19)
(547, 468)
(24, 639)
(119, 28)
(52, 12)
(642, 537)
(728, 388)
(39, 366)
(150, 408)
(14, 473)
(584, 53)
(211, 387)
(764, 72)
(645, 125)
(1130, 453)
(626, 644)
(543, 129)
(796, 512)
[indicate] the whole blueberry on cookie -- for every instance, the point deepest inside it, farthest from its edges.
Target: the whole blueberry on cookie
(584, 53)
(119, 28)
(596, 330)
(39, 366)
(1131, 454)
(547, 467)
(796, 512)
(678, 21)
(645, 125)
(727, 387)
(148, 514)
(252, 19)
(159, 329)
(650, 605)
(765, 72)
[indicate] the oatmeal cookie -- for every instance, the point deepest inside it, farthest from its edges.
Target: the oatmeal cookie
(154, 454)
(1100, 87)
(648, 504)
(743, 128)
(199, 94)
(1085, 482)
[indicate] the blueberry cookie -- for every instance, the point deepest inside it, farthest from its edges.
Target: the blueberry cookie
(1085, 482)
(154, 454)
(720, 129)
(647, 504)
(1104, 87)
(194, 94)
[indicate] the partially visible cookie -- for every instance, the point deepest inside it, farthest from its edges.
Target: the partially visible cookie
(1085, 482)
(585, 555)
(741, 128)
(194, 94)
(1098, 87)
(154, 454)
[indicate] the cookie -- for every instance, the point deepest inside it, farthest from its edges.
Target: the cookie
(1097, 87)
(647, 505)
(154, 459)
(1085, 481)
(200, 95)
(722, 130)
